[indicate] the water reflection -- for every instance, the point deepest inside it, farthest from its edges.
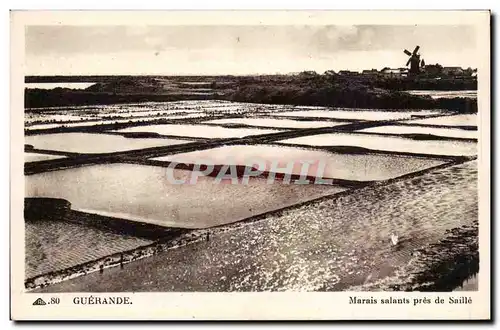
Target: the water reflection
(289, 160)
(144, 193)
(203, 131)
(357, 114)
(389, 143)
(279, 123)
(94, 143)
(445, 132)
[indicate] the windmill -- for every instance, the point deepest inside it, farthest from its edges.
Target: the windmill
(414, 60)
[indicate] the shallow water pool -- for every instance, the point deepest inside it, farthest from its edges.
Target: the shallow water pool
(389, 143)
(145, 194)
(202, 131)
(72, 85)
(356, 114)
(84, 123)
(278, 123)
(455, 120)
(445, 132)
(94, 143)
(289, 160)
(36, 157)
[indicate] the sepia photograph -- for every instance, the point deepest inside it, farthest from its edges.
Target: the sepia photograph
(267, 155)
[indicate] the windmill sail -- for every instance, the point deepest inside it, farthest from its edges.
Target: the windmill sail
(413, 60)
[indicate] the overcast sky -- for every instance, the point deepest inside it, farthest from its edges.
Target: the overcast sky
(74, 50)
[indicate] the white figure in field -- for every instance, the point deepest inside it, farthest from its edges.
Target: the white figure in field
(394, 239)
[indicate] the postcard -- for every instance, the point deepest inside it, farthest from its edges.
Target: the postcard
(250, 165)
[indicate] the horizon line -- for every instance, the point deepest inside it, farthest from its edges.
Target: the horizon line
(218, 74)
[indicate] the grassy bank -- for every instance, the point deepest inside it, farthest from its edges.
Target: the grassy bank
(346, 96)
(317, 90)
(443, 266)
(42, 98)
(447, 264)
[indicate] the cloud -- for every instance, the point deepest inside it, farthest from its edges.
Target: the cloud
(137, 30)
(202, 49)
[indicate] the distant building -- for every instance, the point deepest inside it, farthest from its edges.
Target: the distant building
(394, 73)
(330, 73)
(308, 73)
(453, 71)
(433, 69)
(347, 73)
(372, 72)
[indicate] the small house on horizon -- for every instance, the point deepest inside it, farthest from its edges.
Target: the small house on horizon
(348, 73)
(394, 72)
(452, 71)
(371, 72)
